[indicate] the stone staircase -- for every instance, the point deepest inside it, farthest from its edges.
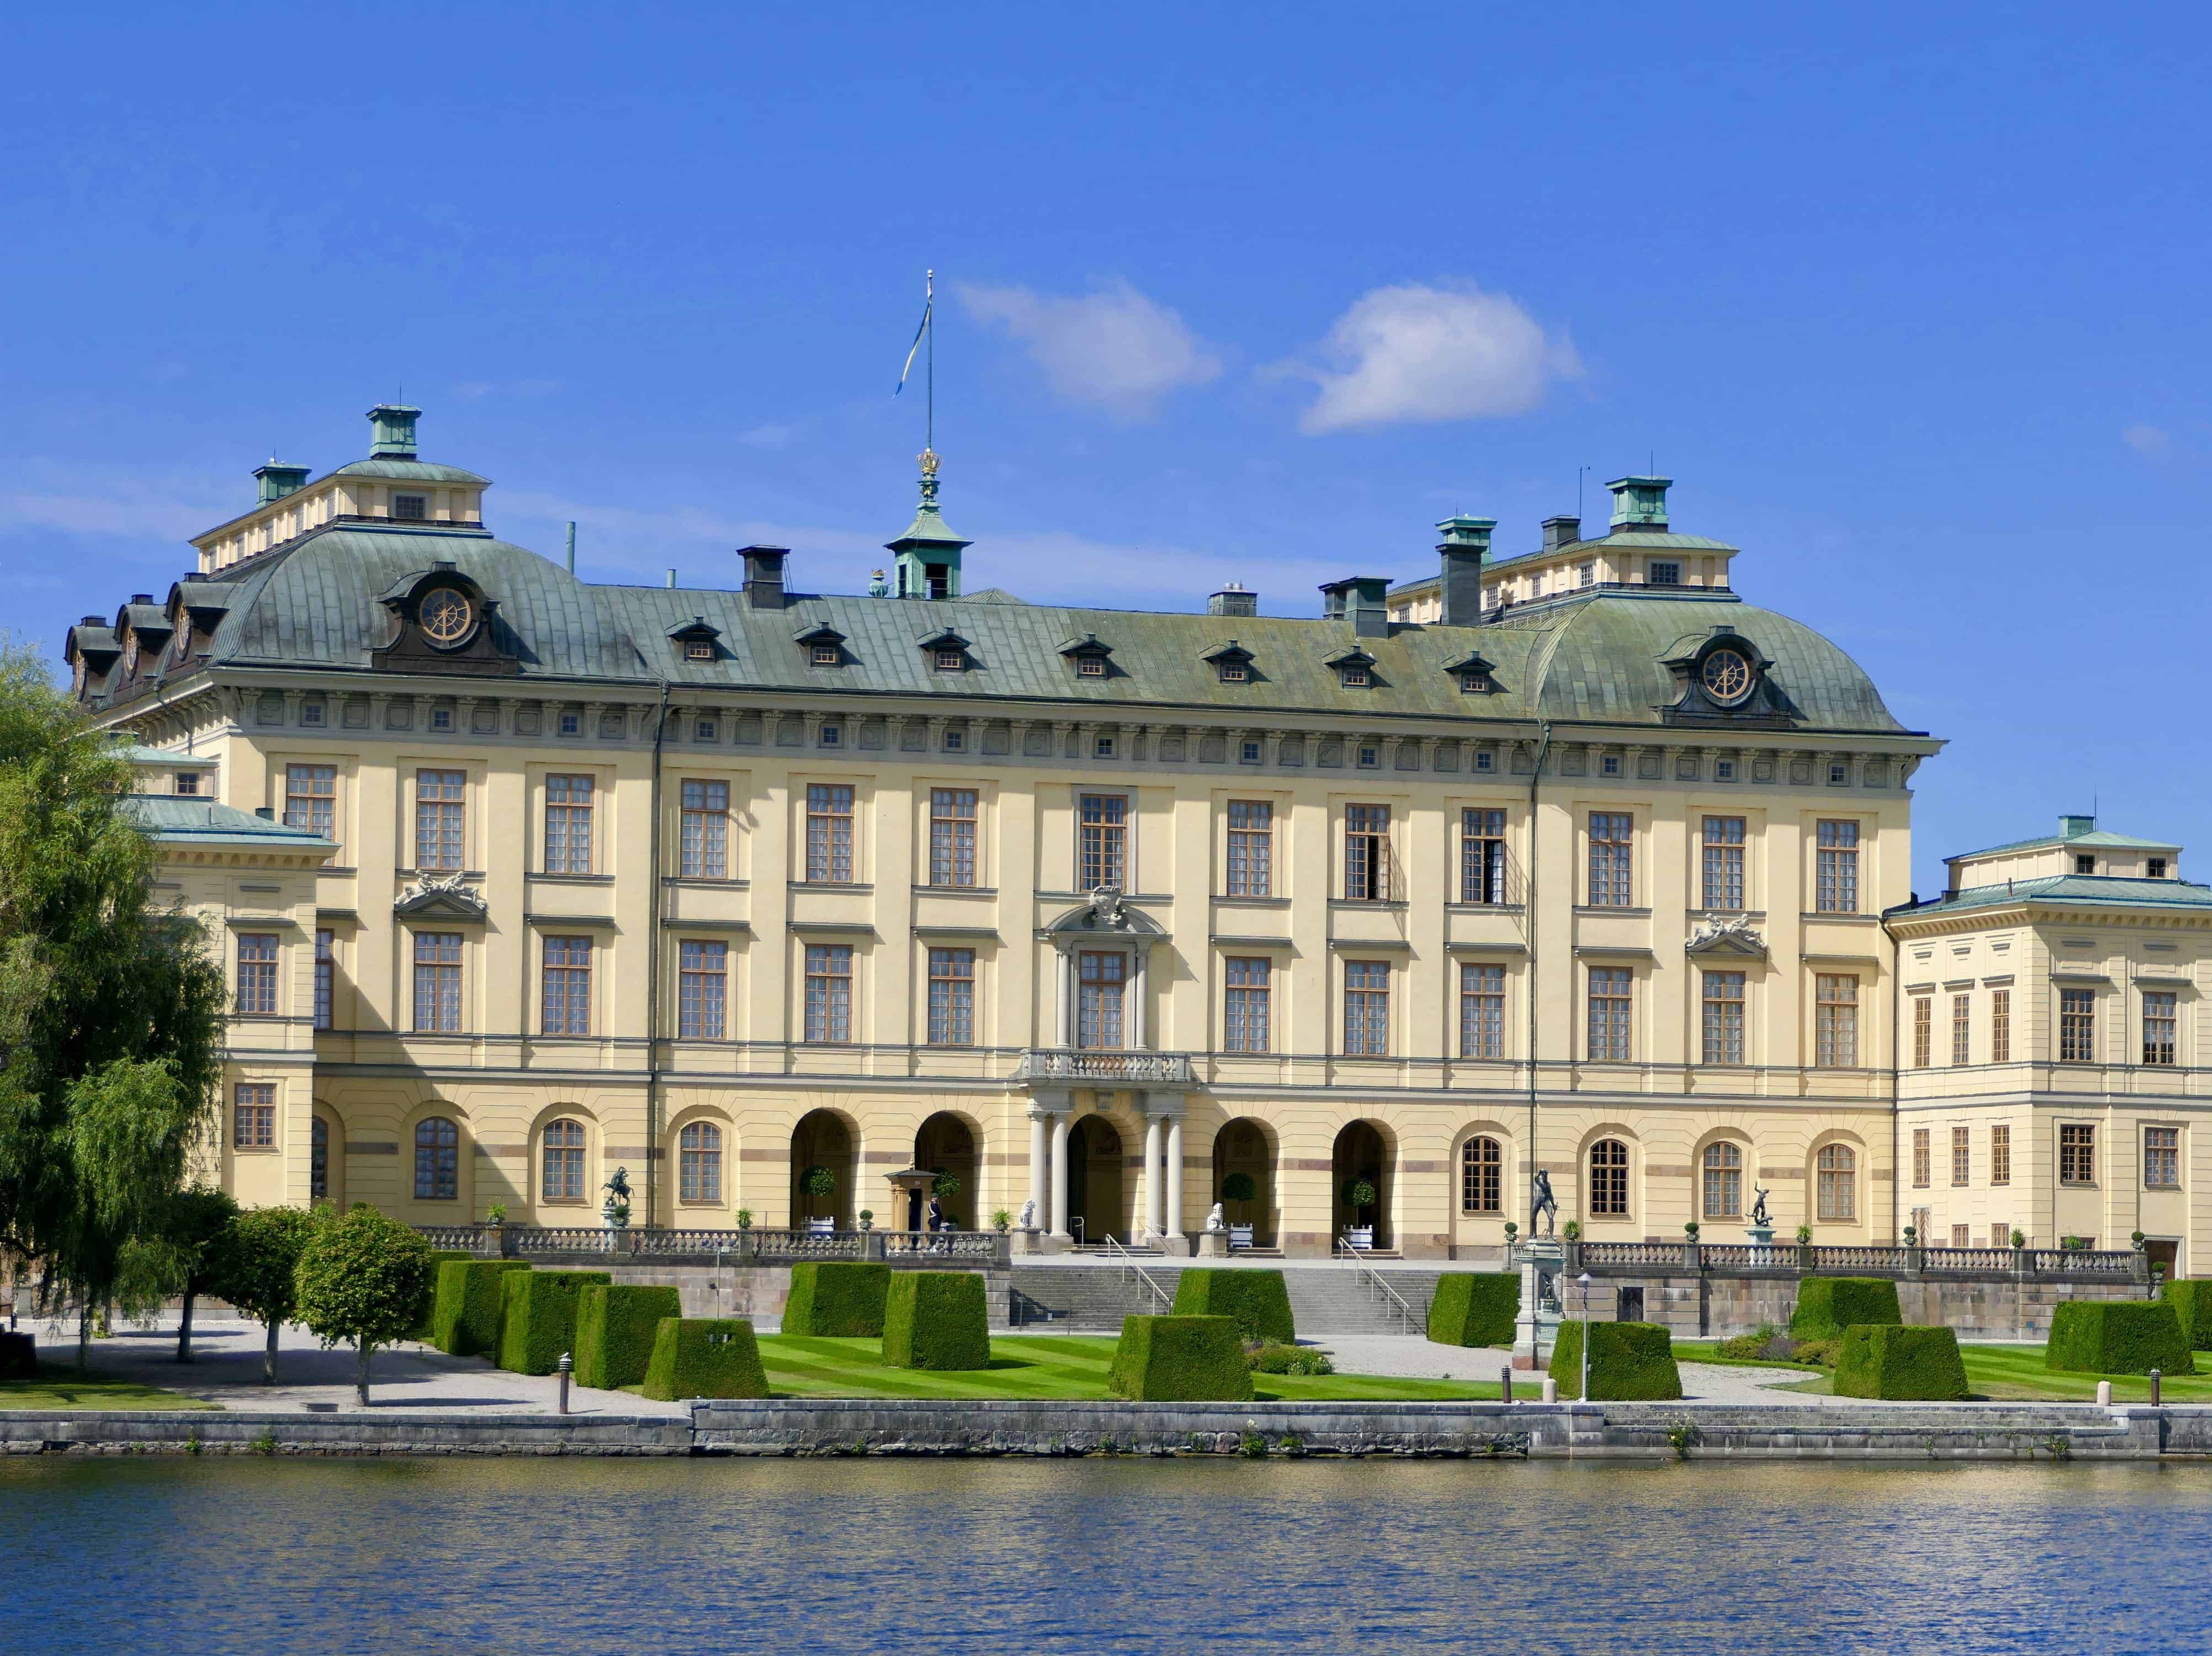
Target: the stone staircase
(1336, 1300)
(1326, 1300)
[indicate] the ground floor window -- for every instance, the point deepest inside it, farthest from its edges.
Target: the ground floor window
(2077, 1153)
(437, 1160)
(698, 1163)
(1723, 1181)
(254, 1116)
(564, 1161)
(1835, 1180)
(1481, 1176)
(1608, 1165)
(2162, 1158)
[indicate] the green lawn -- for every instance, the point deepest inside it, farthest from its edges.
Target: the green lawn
(2015, 1373)
(59, 1386)
(1065, 1365)
(1709, 1352)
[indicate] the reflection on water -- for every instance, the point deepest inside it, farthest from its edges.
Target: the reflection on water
(1097, 1555)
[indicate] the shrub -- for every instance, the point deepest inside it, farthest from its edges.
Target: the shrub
(1258, 1300)
(426, 1326)
(705, 1357)
(2118, 1337)
(1474, 1308)
(539, 1322)
(1828, 1305)
(1822, 1354)
(469, 1301)
(1179, 1359)
(937, 1319)
(1265, 1357)
(1629, 1362)
(2192, 1304)
(836, 1299)
(616, 1327)
(1883, 1360)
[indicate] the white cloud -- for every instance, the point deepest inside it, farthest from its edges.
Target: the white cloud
(1114, 348)
(2148, 439)
(767, 436)
(1420, 353)
(86, 503)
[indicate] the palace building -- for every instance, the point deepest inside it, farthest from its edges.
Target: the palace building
(1574, 860)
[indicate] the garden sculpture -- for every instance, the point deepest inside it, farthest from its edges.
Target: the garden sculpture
(1546, 1204)
(1214, 1219)
(1758, 1211)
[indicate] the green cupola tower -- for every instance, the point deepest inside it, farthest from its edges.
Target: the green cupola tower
(926, 558)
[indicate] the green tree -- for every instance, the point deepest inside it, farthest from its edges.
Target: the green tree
(110, 1010)
(1359, 1195)
(257, 1268)
(191, 1233)
(363, 1277)
(816, 1183)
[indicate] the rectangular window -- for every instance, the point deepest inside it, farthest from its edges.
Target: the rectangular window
(1367, 854)
(2161, 1158)
(254, 1116)
(1102, 850)
(1920, 1157)
(1836, 1021)
(410, 508)
(1724, 1017)
(829, 991)
(1962, 1155)
(1611, 845)
(703, 983)
(1367, 1009)
(2077, 1026)
(1482, 856)
(2159, 1026)
(438, 819)
(1666, 574)
(1723, 848)
(257, 974)
(1924, 1031)
(1482, 1176)
(568, 825)
(829, 832)
(952, 998)
(568, 986)
(1611, 998)
(1481, 1009)
(437, 982)
(698, 1163)
(1101, 982)
(1251, 985)
(704, 835)
(1251, 848)
(188, 784)
(1962, 1236)
(2001, 1156)
(2077, 1154)
(952, 836)
(324, 974)
(1836, 885)
(2000, 1026)
(311, 797)
(1835, 1189)
(1962, 1029)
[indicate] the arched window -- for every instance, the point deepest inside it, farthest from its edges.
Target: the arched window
(1482, 1176)
(318, 1161)
(699, 1163)
(437, 1160)
(1723, 1191)
(1835, 1184)
(1608, 1165)
(564, 1161)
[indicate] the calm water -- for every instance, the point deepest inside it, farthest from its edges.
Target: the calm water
(924, 1558)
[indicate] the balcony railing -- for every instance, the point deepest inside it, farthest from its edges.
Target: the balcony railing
(1742, 1259)
(757, 1245)
(1084, 1066)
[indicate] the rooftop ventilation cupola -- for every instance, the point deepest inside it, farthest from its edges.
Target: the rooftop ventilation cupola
(275, 482)
(927, 557)
(1233, 599)
(391, 431)
(1463, 548)
(1639, 503)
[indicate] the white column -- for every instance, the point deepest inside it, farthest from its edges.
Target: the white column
(1039, 1168)
(1064, 1025)
(1175, 1224)
(1154, 1195)
(1058, 1175)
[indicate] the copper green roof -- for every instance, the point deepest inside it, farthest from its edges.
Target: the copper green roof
(406, 471)
(2097, 838)
(2068, 891)
(202, 821)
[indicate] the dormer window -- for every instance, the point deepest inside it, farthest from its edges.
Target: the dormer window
(410, 508)
(950, 659)
(446, 615)
(698, 649)
(2085, 863)
(1353, 675)
(1089, 656)
(1235, 672)
(822, 655)
(1091, 666)
(131, 655)
(1474, 681)
(2156, 868)
(188, 784)
(1232, 661)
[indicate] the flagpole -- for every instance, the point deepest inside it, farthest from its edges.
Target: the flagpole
(929, 310)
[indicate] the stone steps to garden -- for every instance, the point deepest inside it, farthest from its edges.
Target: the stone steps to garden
(1327, 1300)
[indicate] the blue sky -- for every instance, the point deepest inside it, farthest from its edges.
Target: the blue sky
(1909, 299)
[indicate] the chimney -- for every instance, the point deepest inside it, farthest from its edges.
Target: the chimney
(1466, 544)
(391, 431)
(277, 480)
(764, 575)
(1233, 600)
(1639, 503)
(1561, 531)
(141, 598)
(1360, 600)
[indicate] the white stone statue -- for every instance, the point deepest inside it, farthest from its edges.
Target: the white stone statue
(1029, 1216)
(1214, 1219)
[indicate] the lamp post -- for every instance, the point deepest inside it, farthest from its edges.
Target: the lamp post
(1583, 1282)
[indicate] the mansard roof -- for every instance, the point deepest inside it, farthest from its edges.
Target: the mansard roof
(2069, 891)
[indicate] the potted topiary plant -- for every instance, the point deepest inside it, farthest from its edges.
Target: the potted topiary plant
(744, 1218)
(868, 1219)
(1001, 1220)
(817, 1184)
(1240, 1188)
(1571, 1231)
(1359, 1195)
(2018, 1238)
(1690, 1230)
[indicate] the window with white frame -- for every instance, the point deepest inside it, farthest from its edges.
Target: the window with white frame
(704, 831)
(257, 974)
(1367, 854)
(1248, 1011)
(2160, 1018)
(1836, 881)
(702, 984)
(1481, 1009)
(830, 993)
(829, 833)
(1612, 1000)
(438, 807)
(1962, 1029)
(1481, 855)
(569, 801)
(311, 799)
(1836, 1021)
(1367, 1009)
(1102, 841)
(1251, 848)
(952, 836)
(1962, 1156)
(952, 998)
(1723, 845)
(2077, 1026)
(1612, 849)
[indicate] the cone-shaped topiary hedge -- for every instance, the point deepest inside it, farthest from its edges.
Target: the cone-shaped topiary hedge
(540, 1319)
(705, 1357)
(1826, 1305)
(2118, 1337)
(616, 1327)
(836, 1299)
(1258, 1300)
(470, 1302)
(1629, 1362)
(1475, 1307)
(2192, 1302)
(937, 1319)
(1915, 1365)
(1180, 1359)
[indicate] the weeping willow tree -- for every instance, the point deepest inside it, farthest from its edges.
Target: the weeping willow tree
(110, 1015)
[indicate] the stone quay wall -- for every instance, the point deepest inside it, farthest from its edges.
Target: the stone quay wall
(1714, 1306)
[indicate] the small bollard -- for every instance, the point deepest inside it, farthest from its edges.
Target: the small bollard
(2104, 1394)
(1551, 1390)
(561, 1408)
(2154, 1377)
(1505, 1384)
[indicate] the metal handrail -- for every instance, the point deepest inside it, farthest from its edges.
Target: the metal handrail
(1376, 1288)
(1129, 1263)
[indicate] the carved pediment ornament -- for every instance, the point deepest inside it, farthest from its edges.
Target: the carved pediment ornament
(447, 896)
(1736, 937)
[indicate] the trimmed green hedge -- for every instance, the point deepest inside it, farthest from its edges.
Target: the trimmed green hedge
(705, 1357)
(1474, 1308)
(468, 1304)
(1181, 1359)
(1826, 1305)
(426, 1326)
(2192, 1302)
(1915, 1365)
(2118, 1337)
(616, 1327)
(837, 1300)
(1629, 1362)
(540, 1319)
(937, 1319)
(1257, 1299)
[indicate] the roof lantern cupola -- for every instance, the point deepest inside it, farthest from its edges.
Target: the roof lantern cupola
(391, 431)
(276, 482)
(1639, 502)
(927, 557)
